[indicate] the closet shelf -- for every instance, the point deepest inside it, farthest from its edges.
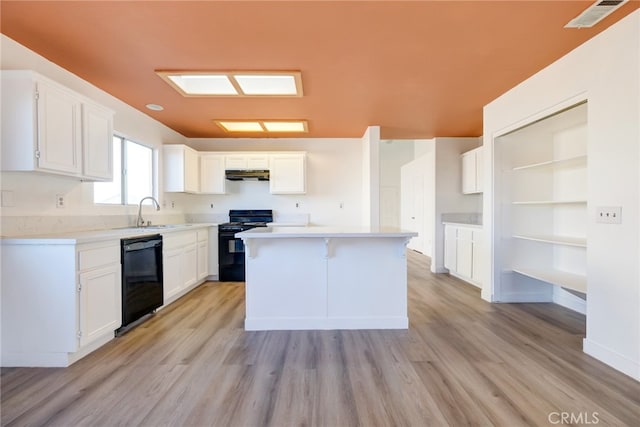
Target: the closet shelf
(551, 202)
(560, 278)
(580, 242)
(566, 162)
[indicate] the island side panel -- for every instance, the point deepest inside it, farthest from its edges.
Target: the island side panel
(286, 284)
(367, 283)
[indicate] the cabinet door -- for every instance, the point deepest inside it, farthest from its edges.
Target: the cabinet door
(287, 174)
(191, 171)
(212, 174)
(479, 169)
(468, 172)
(97, 137)
(59, 130)
(203, 260)
(235, 162)
(476, 269)
(258, 161)
(213, 251)
(100, 303)
(172, 273)
(190, 265)
(464, 252)
(450, 247)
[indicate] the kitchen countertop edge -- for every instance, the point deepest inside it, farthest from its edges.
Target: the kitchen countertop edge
(91, 236)
(323, 232)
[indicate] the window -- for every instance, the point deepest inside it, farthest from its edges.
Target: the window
(133, 181)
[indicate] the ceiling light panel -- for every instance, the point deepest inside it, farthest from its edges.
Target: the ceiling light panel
(203, 84)
(240, 126)
(235, 83)
(285, 126)
(269, 84)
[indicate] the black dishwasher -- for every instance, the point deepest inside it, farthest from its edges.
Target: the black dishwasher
(142, 288)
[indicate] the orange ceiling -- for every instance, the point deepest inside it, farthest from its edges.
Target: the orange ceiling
(418, 69)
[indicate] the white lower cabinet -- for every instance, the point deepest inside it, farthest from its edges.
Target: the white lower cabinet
(172, 271)
(213, 253)
(100, 303)
(202, 252)
(462, 246)
(59, 302)
(184, 262)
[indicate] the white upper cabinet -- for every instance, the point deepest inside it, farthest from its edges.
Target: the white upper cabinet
(287, 169)
(247, 161)
(97, 134)
(287, 173)
(472, 171)
(49, 128)
(181, 169)
(212, 177)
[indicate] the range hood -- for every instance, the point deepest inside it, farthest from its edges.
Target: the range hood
(245, 175)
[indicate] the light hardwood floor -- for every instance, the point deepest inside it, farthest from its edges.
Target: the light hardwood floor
(461, 362)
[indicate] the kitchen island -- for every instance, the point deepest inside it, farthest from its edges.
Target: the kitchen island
(326, 278)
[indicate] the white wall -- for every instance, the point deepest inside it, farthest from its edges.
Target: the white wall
(34, 194)
(605, 71)
(334, 178)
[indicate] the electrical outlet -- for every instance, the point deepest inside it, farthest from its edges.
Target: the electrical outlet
(297, 204)
(60, 201)
(341, 205)
(609, 214)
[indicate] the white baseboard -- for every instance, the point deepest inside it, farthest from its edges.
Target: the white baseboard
(615, 360)
(52, 359)
(523, 297)
(323, 323)
(569, 301)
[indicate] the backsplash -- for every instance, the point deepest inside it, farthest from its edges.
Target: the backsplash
(463, 217)
(12, 226)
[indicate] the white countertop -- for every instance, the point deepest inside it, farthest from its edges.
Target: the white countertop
(99, 235)
(323, 232)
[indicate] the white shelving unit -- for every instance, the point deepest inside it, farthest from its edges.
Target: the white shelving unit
(542, 192)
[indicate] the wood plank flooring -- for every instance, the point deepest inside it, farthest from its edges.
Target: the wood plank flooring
(461, 362)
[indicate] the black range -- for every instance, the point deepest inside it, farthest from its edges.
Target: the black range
(230, 248)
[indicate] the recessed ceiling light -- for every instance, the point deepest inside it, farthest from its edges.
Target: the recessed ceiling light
(234, 83)
(263, 125)
(154, 107)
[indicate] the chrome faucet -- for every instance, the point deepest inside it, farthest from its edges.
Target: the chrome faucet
(140, 220)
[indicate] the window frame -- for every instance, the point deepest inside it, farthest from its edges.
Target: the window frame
(124, 175)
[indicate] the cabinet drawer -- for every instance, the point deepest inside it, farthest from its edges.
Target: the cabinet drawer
(203, 235)
(98, 256)
(178, 239)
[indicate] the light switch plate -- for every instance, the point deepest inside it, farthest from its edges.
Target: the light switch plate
(609, 214)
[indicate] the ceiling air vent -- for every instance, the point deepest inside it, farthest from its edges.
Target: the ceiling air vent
(595, 13)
